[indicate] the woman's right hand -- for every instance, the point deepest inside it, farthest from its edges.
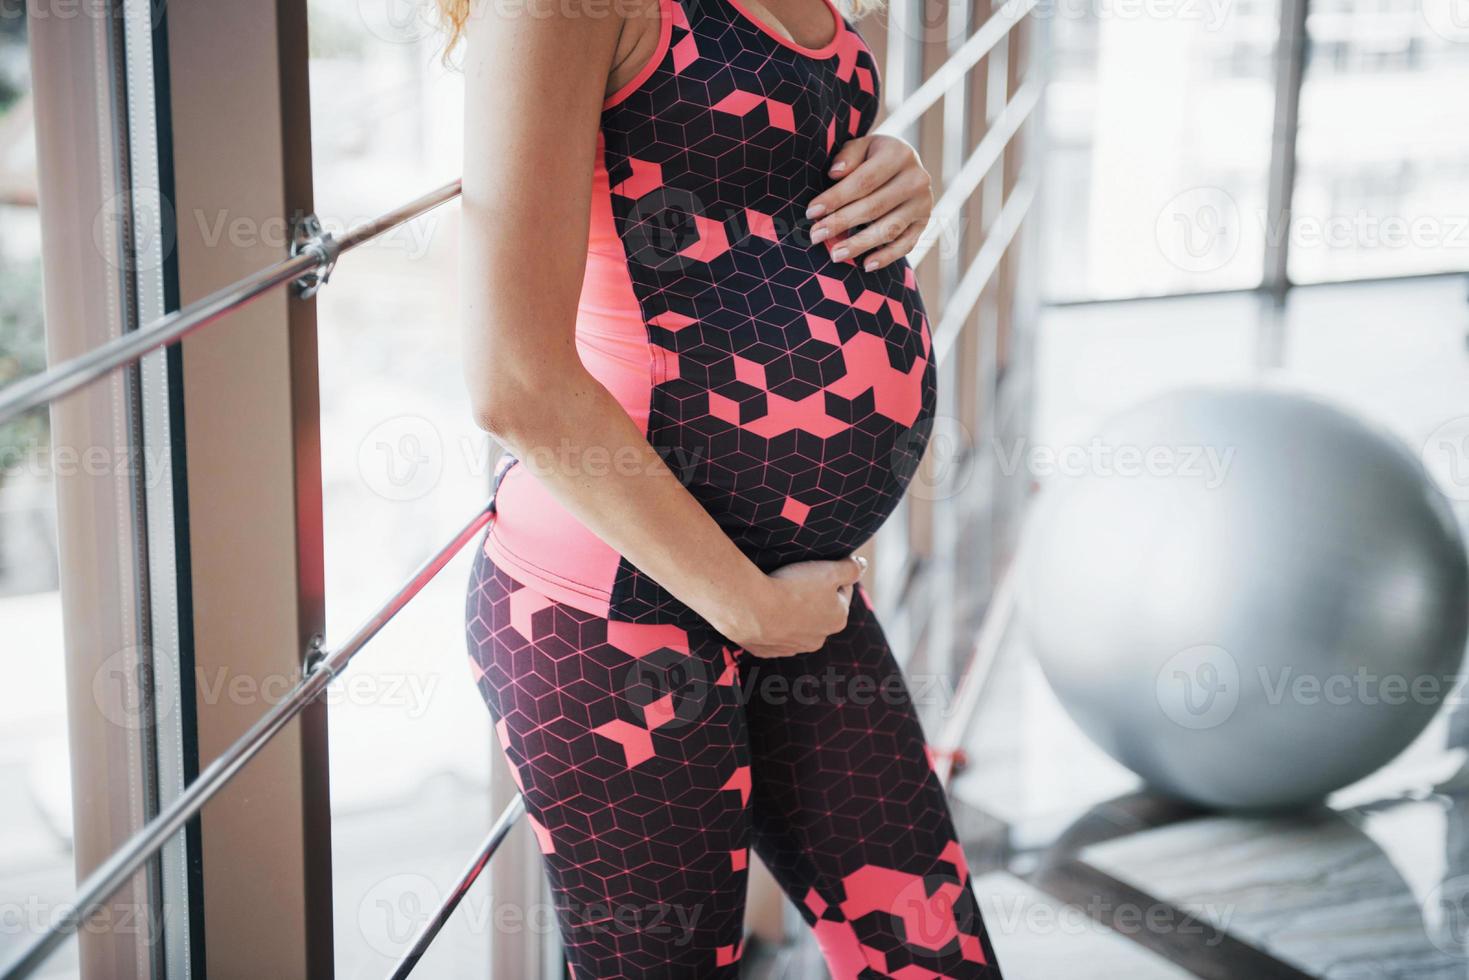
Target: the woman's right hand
(802, 604)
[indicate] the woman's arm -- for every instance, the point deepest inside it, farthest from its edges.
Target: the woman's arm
(535, 82)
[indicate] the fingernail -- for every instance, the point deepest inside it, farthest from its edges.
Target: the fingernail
(862, 562)
(820, 235)
(838, 167)
(840, 252)
(816, 210)
(870, 265)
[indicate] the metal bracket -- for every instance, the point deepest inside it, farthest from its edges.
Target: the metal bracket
(315, 653)
(307, 236)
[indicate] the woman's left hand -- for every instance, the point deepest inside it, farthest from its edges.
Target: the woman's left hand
(882, 189)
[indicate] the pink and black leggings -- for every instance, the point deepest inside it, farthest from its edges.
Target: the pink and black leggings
(653, 757)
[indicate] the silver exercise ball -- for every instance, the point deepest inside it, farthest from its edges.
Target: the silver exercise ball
(1246, 596)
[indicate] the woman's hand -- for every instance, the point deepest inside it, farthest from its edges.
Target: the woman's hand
(802, 604)
(880, 184)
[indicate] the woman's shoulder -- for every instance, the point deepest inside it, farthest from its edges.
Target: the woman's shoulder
(646, 26)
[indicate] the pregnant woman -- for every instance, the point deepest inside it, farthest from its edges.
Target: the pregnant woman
(690, 322)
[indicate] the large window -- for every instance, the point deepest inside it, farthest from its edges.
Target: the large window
(403, 467)
(1382, 186)
(35, 792)
(1161, 118)
(1159, 123)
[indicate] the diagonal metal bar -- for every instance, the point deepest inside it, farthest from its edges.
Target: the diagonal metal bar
(320, 670)
(314, 257)
(950, 206)
(498, 831)
(986, 260)
(951, 72)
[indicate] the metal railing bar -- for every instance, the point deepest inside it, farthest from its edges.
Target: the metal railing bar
(951, 203)
(368, 230)
(986, 260)
(333, 663)
(986, 650)
(947, 75)
(319, 671)
(82, 370)
(498, 831)
(69, 376)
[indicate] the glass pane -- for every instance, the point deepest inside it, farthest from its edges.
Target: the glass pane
(1382, 183)
(35, 771)
(403, 468)
(1158, 138)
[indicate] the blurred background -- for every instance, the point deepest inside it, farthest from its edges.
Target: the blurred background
(1155, 256)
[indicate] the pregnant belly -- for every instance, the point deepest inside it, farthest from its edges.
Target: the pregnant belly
(795, 409)
(799, 431)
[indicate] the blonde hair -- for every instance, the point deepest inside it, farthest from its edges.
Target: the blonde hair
(454, 14)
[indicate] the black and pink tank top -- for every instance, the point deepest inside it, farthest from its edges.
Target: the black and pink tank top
(793, 394)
